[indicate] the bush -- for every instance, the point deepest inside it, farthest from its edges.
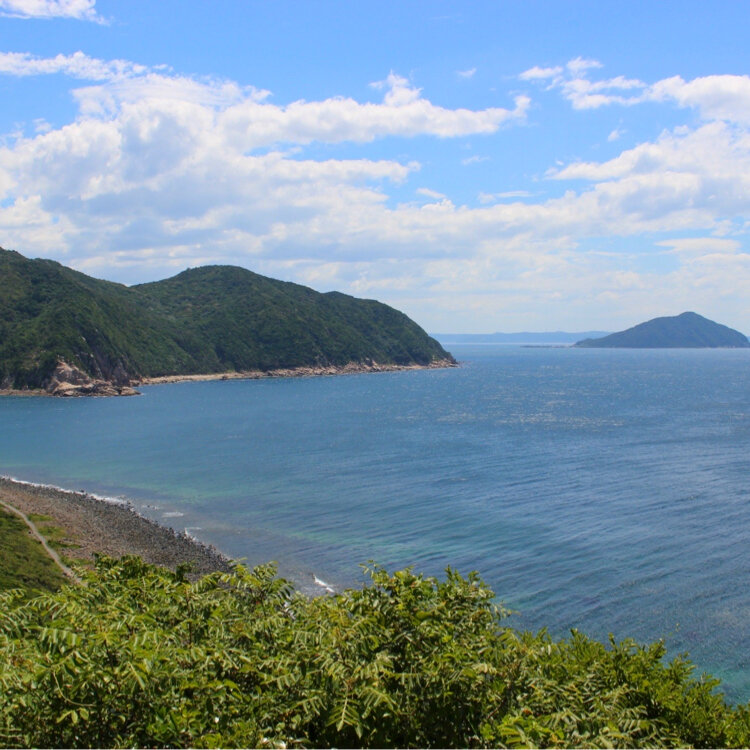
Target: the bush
(140, 656)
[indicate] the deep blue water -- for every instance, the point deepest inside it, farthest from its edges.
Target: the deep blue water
(600, 489)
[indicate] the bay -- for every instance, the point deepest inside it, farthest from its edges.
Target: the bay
(604, 490)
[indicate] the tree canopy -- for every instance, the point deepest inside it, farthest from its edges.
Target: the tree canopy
(141, 656)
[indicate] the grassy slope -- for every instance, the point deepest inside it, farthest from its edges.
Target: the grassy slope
(204, 320)
(23, 562)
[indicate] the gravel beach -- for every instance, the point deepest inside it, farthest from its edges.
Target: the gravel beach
(98, 526)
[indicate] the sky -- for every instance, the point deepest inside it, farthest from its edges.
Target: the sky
(483, 166)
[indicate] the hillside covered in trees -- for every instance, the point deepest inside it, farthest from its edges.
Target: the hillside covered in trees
(205, 320)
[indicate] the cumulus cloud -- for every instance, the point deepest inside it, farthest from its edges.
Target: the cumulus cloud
(159, 171)
(703, 172)
(537, 73)
(583, 93)
(716, 97)
(81, 10)
(251, 121)
(467, 73)
(173, 170)
(720, 97)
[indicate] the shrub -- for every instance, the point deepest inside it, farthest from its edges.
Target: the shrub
(141, 656)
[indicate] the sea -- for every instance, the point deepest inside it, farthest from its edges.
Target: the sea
(605, 490)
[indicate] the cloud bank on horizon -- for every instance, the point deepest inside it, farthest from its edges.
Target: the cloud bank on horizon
(398, 192)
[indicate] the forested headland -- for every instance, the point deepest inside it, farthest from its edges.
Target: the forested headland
(209, 320)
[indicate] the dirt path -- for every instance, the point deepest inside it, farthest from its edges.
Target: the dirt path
(92, 527)
(55, 557)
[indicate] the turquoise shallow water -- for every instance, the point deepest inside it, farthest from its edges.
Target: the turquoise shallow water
(600, 489)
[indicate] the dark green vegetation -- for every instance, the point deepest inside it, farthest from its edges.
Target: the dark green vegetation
(205, 320)
(688, 330)
(24, 564)
(139, 656)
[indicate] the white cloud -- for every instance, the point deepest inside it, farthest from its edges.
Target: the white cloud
(580, 65)
(467, 73)
(708, 169)
(615, 135)
(583, 93)
(82, 10)
(76, 65)
(430, 193)
(162, 171)
(253, 123)
(486, 198)
(701, 246)
(474, 160)
(537, 73)
(159, 171)
(718, 97)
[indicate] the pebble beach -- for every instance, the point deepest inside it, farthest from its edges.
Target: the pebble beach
(96, 526)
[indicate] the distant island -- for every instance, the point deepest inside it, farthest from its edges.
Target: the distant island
(65, 333)
(688, 331)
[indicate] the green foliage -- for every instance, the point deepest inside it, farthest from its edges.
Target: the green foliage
(205, 320)
(24, 564)
(688, 330)
(140, 656)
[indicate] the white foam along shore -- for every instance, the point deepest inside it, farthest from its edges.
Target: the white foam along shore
(140, 535)
(41, 485)
(111, 525)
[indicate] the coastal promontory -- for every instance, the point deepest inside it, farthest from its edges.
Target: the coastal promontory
(66, 333)
(686, 331)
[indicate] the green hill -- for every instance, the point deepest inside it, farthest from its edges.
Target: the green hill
(687, 331)
(205, 320)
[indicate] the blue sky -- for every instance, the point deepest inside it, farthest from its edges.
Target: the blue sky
(484, 166)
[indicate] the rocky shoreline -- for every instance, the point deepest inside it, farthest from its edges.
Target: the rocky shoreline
(68, 381)
(95, 526)
(351, 368)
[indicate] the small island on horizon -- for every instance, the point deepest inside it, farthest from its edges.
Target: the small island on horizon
(685, 331)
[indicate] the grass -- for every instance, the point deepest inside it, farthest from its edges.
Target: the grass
(23, 562)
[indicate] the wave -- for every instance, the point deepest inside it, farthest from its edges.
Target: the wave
(41, 485)
(320, 582)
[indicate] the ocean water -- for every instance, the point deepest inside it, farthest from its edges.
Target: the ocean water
(604, 490)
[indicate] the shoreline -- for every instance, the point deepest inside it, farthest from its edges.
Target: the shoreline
(95, 525)
(351, 368)
(105, 389)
